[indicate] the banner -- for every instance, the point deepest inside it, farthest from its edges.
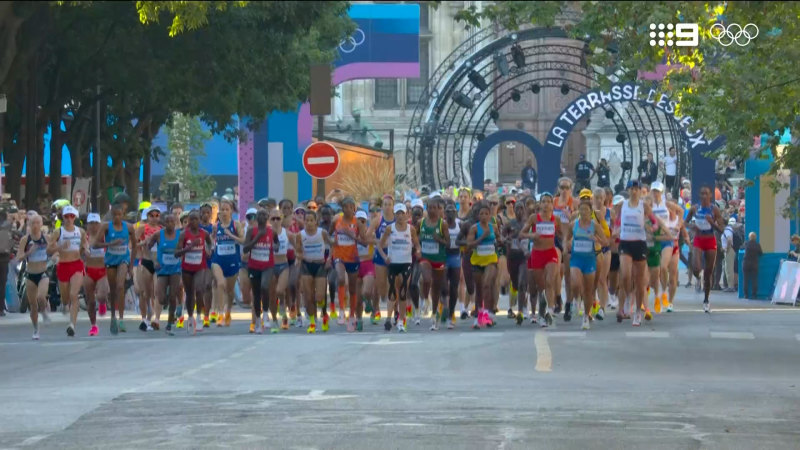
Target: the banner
(787, 283)
(80, 194)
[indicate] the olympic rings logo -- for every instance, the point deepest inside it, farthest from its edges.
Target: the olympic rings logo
(733, 33)
(349, 45)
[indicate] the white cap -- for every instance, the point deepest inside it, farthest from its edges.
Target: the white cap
(436, 194)
(400, 208)
(69, 209)
(657, 186)
(361, 215)
(731, 221)
(93, 218)
(417, 203)
(617, 200)
(251, 211)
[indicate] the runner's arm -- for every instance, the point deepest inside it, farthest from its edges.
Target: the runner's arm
(52, 244)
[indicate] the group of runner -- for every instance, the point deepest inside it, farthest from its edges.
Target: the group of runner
(447, 258)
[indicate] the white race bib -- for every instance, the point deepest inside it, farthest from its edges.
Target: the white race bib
(363, 250)
(313, 252)
(97, 252)
(582, 246)
(485, 249)
(226, 249)
(118, 250)
(344, 240)
(546, 228)
(260, 254)
(170, 259)
(194, 258)
(430, 247)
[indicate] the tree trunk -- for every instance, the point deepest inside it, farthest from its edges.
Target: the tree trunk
(57, 140)
(132, 171)
(32, 182)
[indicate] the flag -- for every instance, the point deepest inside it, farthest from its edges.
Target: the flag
(80, 194)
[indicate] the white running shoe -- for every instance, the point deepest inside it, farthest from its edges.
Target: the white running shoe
(637, 318)
(417, 321)
(450, 324)
(585, 324)
(266, 323)
(707, 307)
(434, 325)
(36, 335)
(401, 328)
(259, 326)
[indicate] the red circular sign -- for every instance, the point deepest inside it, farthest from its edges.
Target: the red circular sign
(78, 197)
(321, 159)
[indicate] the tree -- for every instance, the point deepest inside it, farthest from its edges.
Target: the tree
(736, 91)
(186, 141)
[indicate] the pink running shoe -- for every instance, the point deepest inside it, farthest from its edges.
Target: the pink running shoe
(102, 309)
(483, 319)
(93, 331)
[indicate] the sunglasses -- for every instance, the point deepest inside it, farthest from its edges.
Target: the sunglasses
(250, 216)
(562, 187)
(67, 216)
(494, 203)
(275, 219)
(510, 202)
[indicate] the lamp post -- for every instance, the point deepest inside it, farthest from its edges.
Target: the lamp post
(3, 108)
(97, 158)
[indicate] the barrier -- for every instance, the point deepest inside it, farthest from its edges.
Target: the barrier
(767, 271)
(787, 283)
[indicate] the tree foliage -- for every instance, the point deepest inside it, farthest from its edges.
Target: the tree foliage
(736, 91)
(222, 59)
(186, 142)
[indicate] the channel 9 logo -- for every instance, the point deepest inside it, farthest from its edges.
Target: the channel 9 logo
(688, 34)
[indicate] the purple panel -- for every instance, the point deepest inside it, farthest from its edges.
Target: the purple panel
(246, 188)
(359, 71)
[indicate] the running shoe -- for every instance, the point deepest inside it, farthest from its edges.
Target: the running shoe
(534, 320)
(595, 308)
(70, 331)
(274, 329)
(707, 307)
(417, 321)
(312, 328)
(600, 314)
(292, 321)
(143, 326)
(156, 326)
(579, 309)
(548, 318)
(206, 323)
(657, 305)
(285, 323)
(511, 314)
(637, 319)
(102, 309)
(434, 325)
(179, 322)
(464, 315)
(567, 311)
(451, 324)
(351, 326)
(475, 324)
(35, 336)
(557, 309)
(409, 313)
(520, 319)
(648, 316)
(150, 327)
(259, 326)
(401, 326)
(121, 326)
(114, 329)
(227, 319)
(325, 323)
(213, 317)
(333, 311)
(169, 331)
(367, 305)
(220, 321)
(669, 308)
(585, 325)
(359, 325)
(252, 327)
(377, 317)
(341, 318)
(94, 331)
(192, 328)
(664, 300)
(387, 325)
(620, 316)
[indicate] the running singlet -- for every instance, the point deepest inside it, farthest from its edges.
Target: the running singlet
(313, 246)
(582, 243)
(563, 212)
(674, 228)
(149, 231)
(283, 244)
(364, 251)
(484, 254)
(431, 249)
(545, 229)
(165, 254)
(661, 210)
(454, 236)
(701, 221)
(261, 256)
(227, 249)
(117, 254)
(345, 247)
(40, 254)
(632, 222)
(399, 245)
(208, 229)
(73, 237)
(378, 233)
(195, 259)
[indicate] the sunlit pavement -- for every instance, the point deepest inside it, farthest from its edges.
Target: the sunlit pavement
(685, 380)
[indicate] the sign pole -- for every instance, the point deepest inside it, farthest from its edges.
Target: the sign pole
(321, 181)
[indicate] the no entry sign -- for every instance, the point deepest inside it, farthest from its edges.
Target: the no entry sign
(321, 159)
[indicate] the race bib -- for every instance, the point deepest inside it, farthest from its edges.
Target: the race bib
(226, 249)
(97, 252)
(430, 247)
(546, 228)
(194, 258)
(118, 250)
(170, 259)
(313, 252)
(515, 244)
(344, 240)
(651, 243)
(582, 246)
(485, 249)
(363, 250)
(702, 223)
(40, 255)
(260, 254)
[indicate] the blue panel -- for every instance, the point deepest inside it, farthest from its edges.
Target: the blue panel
(390, 39)
(260, 162)
(768, 267)
(752, 196)
(283, 128)
(220, 156)
(384, 11)
(395, 26)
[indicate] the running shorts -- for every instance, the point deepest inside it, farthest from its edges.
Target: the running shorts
(637, 250)
(366, 269)
(614, 262)
(434, 265)
(313, 269)
(586, 264)
(96, 273)
(65, 270)
(454, 261)
(653, 257)
(148, 264)
(539, 259)
(705, 242)
(349, 267)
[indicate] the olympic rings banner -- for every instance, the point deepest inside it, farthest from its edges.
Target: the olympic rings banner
(385, 33)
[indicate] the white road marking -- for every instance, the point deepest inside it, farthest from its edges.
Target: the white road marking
(386, 341)
(732, 335)
(797, 336)
(544, 359)
(313, 396)
(33, 439)
(321, 160)
(489, 334)
(647, 334)
(566, 334)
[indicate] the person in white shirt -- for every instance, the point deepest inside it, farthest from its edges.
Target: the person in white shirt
(670, 169)
(730, 255)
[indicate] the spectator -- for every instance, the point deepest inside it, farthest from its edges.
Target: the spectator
(489, 187)
(670, 169)
(794, 252)
(730, 255)
(603, 174)
(529, 176)
(584, 171)
(6, 247)
(648, 171)
(752, 254)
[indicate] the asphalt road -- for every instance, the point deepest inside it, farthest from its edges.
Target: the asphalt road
(728, 380)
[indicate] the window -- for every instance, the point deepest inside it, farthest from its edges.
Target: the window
(414, 87)
(386, 93)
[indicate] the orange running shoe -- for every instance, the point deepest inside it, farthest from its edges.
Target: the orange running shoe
(227, 319)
